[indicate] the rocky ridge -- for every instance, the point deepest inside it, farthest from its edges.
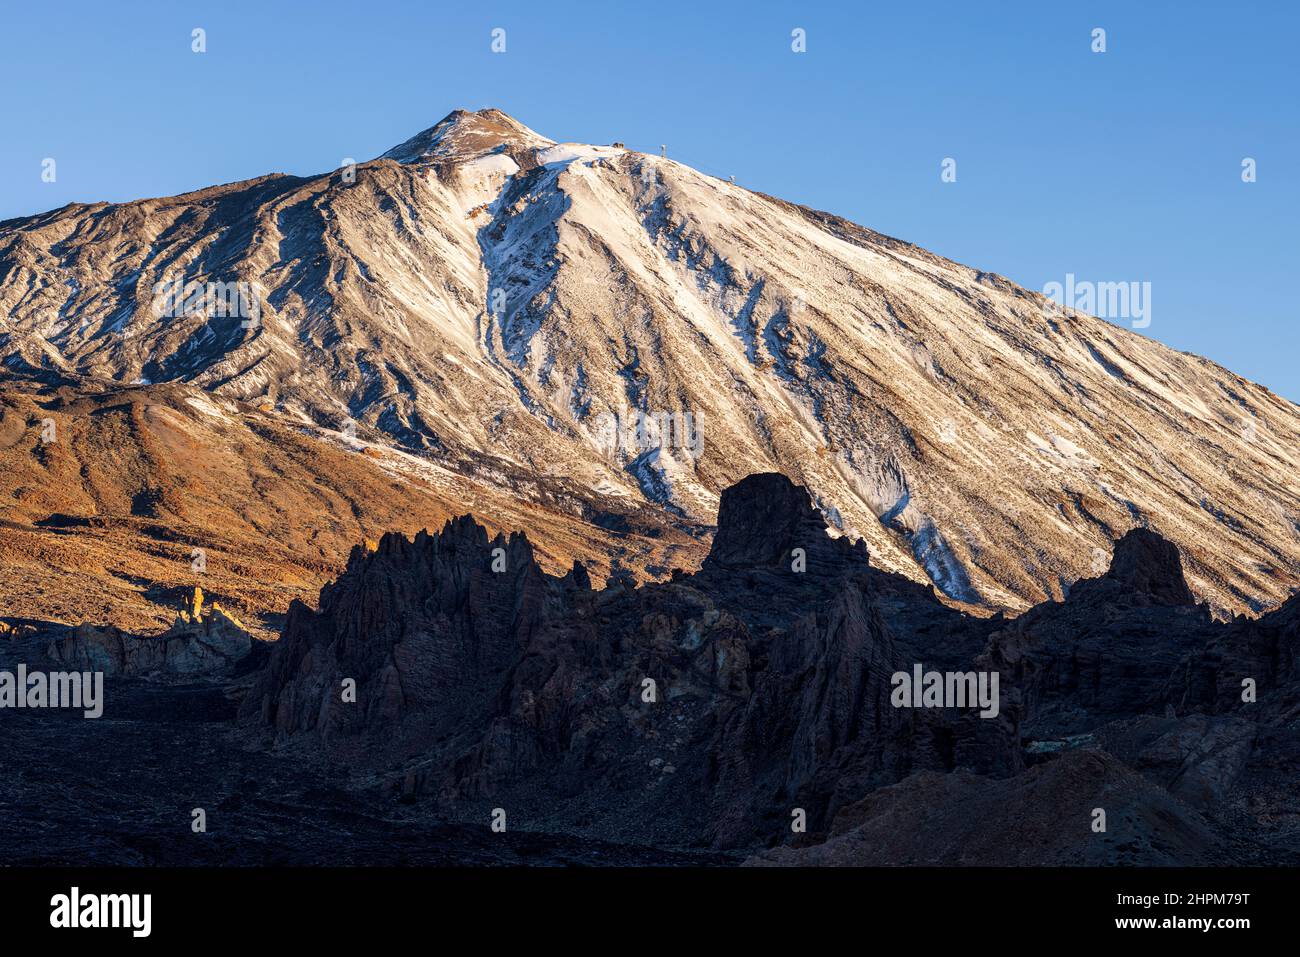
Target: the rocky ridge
(706, 709)
(202, 640)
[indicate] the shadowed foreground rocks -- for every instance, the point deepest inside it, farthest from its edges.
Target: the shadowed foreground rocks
(965, 819)
(690, 721)
(704, 711)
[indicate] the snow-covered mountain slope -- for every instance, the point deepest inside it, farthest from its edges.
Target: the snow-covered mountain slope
(599, 316)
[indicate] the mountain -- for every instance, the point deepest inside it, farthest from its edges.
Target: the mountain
(527, 315)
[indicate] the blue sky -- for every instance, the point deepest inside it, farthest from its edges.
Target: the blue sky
(1119, 166)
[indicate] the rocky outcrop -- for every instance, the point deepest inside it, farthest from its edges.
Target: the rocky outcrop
(1108, 650)
(1253, 664)
(759, 684)
(816, 728)
(201, 641)
(413, 639)
(712, 708)
(1198, 758)
(1045, 816)
(765, 521)
(1144, 568)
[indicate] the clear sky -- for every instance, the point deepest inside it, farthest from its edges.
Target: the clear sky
(1116, 166)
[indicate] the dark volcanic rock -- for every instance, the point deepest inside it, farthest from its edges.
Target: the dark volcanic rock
(425, 629)
(1148, 568)
(762, 520)
(1198, 757)
(817, 728)
(1107, 651)
(1265, 651)
(771, 679)
(706, 710)
(1044, 816)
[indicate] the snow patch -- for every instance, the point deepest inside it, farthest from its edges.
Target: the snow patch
(940, 563)
(565, 153)
(494, 164)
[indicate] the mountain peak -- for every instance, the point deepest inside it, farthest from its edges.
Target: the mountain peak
(465, 134)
